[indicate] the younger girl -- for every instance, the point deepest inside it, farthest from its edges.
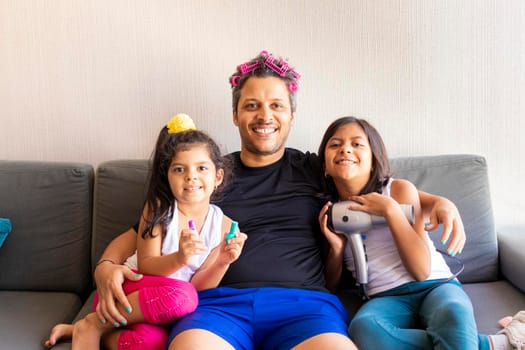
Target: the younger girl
(181, 245)
(415, 304)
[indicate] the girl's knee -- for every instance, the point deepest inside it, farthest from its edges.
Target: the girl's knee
(165, 304)
(454, 312)
(362, 326)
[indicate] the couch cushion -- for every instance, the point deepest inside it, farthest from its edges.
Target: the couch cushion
(120, 190)
(492, 301)
(464, 180)
(27, 317)
(49, 205)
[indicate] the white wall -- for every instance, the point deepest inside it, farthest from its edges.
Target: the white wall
(95, 80)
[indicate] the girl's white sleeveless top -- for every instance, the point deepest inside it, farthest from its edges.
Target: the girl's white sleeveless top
(210, 233)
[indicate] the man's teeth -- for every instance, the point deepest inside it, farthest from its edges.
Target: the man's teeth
(264, 131)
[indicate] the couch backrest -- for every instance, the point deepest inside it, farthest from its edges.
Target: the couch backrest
(464, 180)
(49, 205)
(120, 189)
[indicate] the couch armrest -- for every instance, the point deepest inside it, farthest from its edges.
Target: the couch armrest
(511, 245)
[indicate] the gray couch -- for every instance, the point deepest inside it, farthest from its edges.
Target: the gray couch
(64, 214)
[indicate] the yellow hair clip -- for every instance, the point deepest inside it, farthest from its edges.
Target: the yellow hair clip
(179, 123)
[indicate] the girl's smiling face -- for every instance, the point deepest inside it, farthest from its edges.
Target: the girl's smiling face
(348, 157)
(192, 175)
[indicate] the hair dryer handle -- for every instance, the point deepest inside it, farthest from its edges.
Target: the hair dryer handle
(360, 261)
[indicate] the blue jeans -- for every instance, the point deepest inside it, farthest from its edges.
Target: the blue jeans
(418, 315)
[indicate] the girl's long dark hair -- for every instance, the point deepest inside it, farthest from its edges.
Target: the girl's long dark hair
(380, 162)
(159, 198)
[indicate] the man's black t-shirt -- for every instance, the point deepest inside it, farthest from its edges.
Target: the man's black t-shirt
(277, 206)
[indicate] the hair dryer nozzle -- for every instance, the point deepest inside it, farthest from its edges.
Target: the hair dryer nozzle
(345, 221)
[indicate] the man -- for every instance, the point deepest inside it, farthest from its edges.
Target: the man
(274, 296)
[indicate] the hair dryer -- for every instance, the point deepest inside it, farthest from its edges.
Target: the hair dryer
(354, 224)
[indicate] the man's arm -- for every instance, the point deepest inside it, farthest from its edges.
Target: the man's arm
(439, 210)
(109, 275)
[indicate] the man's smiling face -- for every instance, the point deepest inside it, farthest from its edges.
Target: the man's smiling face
(264, 118)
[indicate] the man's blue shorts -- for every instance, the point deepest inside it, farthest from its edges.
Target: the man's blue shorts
(265, 318)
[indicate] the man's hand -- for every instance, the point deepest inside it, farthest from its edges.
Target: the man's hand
(446, 213)
(109, 278)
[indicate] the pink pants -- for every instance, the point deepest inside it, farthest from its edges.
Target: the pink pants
(162, 300)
